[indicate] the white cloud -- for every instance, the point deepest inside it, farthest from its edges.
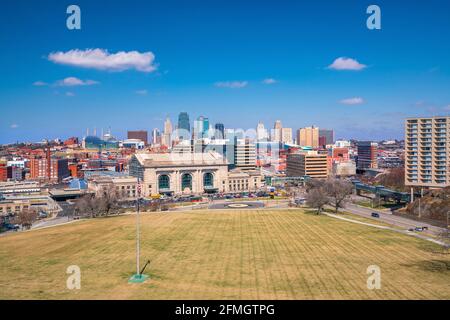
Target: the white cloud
(70, 94)
(14, 126)
(101, 59)
(231, 84)
(72, 81)
(40, 83)
(352, 101)
(269, 81)
(141, 92)
(343, 63)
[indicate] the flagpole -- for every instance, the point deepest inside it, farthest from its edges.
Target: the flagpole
(138, 277)
(137, 230)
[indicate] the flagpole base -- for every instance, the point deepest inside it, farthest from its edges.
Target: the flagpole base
(138, 278)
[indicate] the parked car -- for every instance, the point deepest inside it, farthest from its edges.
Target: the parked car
(42, 215)
(375, 214)
(10, 226)
(418, 229)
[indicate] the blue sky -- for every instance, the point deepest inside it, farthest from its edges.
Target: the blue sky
(211, 58)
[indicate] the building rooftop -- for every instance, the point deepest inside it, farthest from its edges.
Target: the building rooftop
(178, 159)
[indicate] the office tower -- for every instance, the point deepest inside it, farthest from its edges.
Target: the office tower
(427, 152)
(308, 137)
(261, 132)
(167, 139)
(205, 126)
(244, 154)
(140, 134)
(232, 134)
(286, 135)
(326, 136)
(156, 136)
(167, 126)
(198, 128)
(367, 155)
(312, 164)
(184, 126)
(201, 127)
(276, 132)
(219, 131)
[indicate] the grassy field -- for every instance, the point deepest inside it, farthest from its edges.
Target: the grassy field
(248, 254)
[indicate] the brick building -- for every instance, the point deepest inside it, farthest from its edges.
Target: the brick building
(49, 169)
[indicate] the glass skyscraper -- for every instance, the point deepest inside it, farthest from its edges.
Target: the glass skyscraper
(184, 126)
(219, 131)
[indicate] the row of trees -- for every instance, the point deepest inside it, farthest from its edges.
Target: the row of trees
(104, 203)
(26, 218)
(333, 192)
(109, 201)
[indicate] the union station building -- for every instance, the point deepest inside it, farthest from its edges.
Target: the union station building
(190, 173)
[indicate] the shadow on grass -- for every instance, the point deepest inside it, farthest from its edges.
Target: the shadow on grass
(312, 212)
(432, 265)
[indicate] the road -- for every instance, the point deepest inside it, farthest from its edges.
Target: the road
(409, 233)
(391, 219)
(50, 222)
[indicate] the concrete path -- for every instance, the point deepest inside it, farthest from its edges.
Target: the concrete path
(409, 233)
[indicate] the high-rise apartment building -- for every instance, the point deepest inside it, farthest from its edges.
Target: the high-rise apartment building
(244, 154)
(286, 135)
(311, 163)
(308, 137)
(139, 134)
(367, 155)
(49, 169)
(427, 152)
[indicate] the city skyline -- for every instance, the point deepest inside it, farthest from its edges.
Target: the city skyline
(361, 83)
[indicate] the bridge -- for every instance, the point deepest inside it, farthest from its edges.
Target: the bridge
(382, 192)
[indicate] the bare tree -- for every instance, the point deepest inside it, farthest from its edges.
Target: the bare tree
(393, 178)
(108, 199)
(317, 198)
(87, 205)
(314, 184)
(26, 217)
(338, 192)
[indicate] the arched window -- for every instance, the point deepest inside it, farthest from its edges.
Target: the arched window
(164, 182)
(186, 181)
(208, 180)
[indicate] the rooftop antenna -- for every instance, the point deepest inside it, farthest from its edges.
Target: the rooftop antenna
(95, 131)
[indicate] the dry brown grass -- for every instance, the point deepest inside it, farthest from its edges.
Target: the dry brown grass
(248, 254)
